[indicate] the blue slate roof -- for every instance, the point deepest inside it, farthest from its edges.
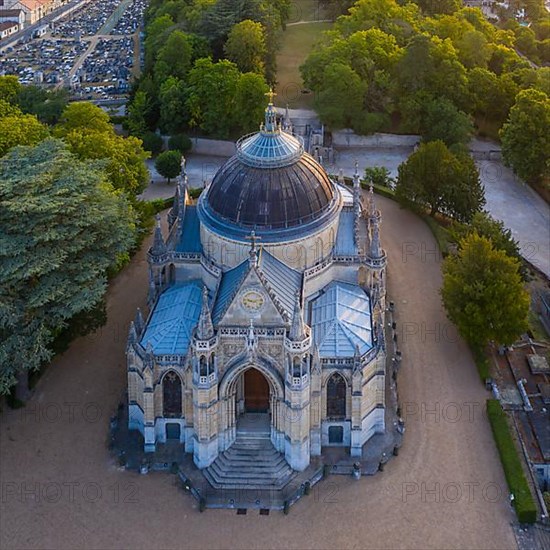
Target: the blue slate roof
(283, 280)
(341, 319)
(190, 240)
(176, 314)
(229, 285)
(345, 243)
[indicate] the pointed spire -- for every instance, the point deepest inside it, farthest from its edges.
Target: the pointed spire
(375, 250)
(205, 328)
(356, 177)
(138, 322)
(287, 123)
(370, 202)
(152, 291)
(149, 355)
(173, 214)
(159, 246)
(132, 334)
(297, 329)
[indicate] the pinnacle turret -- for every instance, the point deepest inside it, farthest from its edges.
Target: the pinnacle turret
(159, 246)
(205, 327)
(297, 329)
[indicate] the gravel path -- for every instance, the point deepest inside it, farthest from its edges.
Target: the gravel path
(446, 489)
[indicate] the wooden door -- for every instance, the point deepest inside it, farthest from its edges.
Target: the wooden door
(256, 392)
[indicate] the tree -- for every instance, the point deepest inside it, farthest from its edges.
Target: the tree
(19, 129)
(211, 100)
(342, 97)
(9, 88)
(378, 175)
(485, 226)
(168, 164)
(7, 109)
(82, 115)
(47, 105)
(62, 225)
(152, 142)
(443, 121)
(138, 110)
(125, 157)
(436, 7)
(525, 136)
(431, 65)
(483, 293)
(473, 49)
(246, 47)
(180, 142)
(250, 101)
(174, 114)
(89, 133)
(174, 58)
(436, 179)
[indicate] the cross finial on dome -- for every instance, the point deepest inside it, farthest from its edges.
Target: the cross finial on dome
(271, 94)
(270, 125)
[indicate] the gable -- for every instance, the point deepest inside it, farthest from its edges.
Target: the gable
(251, 300)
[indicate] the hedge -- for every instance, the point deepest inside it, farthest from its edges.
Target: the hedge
(526, 509)
(482, 363)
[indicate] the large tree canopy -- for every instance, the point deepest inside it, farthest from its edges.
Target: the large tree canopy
(245, 46)
(88, 131)
(61, 226)
(526, 136)
(436, 179)
(483, 293)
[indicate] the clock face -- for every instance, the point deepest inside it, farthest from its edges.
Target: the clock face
(252, 301)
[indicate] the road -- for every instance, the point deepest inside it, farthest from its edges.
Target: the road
(446, 489)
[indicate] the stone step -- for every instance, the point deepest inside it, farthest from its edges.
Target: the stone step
(249, 464)
(228, 470)
(258, 450)
(246, 484)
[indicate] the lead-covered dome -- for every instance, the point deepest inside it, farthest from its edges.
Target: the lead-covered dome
(271, 182)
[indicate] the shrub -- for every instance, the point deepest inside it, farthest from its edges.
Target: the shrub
(524, 504)
(152, 142)
(180, 142)
(481, 362)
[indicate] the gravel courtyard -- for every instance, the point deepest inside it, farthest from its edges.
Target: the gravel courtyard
(61, 489)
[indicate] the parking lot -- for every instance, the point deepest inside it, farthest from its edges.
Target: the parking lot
(45, 61)
(87, 20)
(74, 53)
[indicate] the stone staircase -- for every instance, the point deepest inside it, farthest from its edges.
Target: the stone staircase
(252, 462)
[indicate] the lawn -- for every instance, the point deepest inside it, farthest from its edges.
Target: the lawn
(297, 43)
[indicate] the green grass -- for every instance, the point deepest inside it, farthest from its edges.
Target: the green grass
(526, 509)
(297, 42)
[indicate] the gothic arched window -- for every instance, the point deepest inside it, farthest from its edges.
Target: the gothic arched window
(171, 395)
(203, 366)
(336, 397)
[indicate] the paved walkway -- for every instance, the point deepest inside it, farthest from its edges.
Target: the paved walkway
(446, 489)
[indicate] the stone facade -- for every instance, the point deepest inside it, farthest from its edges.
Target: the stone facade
(311, 329)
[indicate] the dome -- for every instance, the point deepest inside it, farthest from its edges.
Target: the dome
(271, 182)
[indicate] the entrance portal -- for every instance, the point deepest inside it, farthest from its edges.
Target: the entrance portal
(256, 392)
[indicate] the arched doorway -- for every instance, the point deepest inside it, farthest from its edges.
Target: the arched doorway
(256, 392)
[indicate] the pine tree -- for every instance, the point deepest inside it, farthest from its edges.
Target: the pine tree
(61, 226)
